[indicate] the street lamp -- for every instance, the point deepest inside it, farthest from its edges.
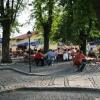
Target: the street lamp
(29, 34)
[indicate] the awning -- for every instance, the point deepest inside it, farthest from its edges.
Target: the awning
(96, 42)
(32, 43)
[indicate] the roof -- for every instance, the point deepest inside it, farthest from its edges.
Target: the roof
(23, 36)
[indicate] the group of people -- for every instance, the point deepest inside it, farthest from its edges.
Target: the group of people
(41, 58)
(51, 56)
(68, 54)
(78, 58)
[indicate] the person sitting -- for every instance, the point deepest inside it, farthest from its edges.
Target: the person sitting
(80, 60)
(39, 58)
(51, 56)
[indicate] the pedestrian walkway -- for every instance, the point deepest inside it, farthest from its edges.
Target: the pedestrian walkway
(38, 70)
(61, 75)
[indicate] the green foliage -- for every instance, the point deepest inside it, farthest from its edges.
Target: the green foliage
(56, 20)
(41, 14)
(40, 10)
(9, 10)
(65, 29)
(77, 15)
(95, 34)
(82, 12)
(15, 27)
(68, 19)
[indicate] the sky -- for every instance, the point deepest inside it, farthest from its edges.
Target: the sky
(23, 19)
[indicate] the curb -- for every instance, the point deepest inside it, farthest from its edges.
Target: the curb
(22, 72)
(32, 74)
(56, 89)
(8, 64)
(26, 73)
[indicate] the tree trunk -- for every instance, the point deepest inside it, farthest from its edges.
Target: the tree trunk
(83, 46)
(83, 41)
(96, 4)
(46, 40)
(5, 43)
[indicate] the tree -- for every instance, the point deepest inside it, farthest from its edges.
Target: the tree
(96, 4)
(83, 20)
(43, 12)
(8, 13)
(65, 29)
(78, 21)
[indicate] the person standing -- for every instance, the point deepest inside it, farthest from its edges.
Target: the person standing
(65, 55)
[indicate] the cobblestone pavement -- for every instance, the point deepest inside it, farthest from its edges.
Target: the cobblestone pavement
(24, 67)
(61, 75)
(48, 95)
